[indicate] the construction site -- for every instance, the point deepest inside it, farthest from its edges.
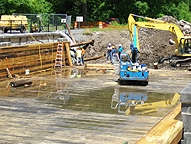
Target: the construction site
(46, 98)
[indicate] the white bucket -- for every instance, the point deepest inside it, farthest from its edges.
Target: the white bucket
(27, 71)
(134, 67)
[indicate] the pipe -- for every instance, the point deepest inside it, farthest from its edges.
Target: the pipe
(20, 83)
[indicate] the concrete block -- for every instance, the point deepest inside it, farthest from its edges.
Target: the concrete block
(61, 39)
(186, 122)
(15, 40)
(186, 108)
(187, 138)
(5, 44)
(185, 95)
(23, 39)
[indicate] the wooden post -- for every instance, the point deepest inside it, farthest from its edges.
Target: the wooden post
(8, 72)
(67, 26)
(68, 53)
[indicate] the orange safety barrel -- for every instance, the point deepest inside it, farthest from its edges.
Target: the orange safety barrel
(75, 25)
(100, 25)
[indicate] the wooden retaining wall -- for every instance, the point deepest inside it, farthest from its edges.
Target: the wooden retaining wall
(33, 57)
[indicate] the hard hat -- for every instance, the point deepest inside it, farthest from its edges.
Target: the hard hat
(109, 44)
(81, 46)
(120, 45)
(113, 47)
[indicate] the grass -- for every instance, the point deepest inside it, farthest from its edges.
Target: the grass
(113, 26)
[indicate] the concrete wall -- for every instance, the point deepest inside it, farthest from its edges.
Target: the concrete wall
(186, 114)
(29, 38)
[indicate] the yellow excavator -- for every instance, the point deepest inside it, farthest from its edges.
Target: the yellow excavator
(183, 43)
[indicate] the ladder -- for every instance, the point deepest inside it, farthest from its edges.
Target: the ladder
(58, 64)
(59, 55)
(58, 77)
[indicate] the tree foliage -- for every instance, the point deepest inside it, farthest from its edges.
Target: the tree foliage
(99, 10)
(7, 7)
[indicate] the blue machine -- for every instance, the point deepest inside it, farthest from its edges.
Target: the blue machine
(125, 98)
(130, 70)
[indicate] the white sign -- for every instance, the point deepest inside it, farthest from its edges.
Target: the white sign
(79, 18)
(63, 20)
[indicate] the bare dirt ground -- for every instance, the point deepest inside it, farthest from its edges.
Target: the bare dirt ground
(154, 44)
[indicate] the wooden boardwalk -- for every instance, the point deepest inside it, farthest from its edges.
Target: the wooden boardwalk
(29, 121)
(168, 130)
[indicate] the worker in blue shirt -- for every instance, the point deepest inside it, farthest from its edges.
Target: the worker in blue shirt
(113, 54)
(120, 50)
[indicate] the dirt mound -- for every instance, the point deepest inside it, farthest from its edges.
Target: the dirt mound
(102, 38)
(154, 44)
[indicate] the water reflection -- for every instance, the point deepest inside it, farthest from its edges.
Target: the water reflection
(137, 102)
(60, 91)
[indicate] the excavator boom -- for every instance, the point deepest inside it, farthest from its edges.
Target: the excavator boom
(183, 43)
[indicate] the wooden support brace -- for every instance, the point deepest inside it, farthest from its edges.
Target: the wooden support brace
(68, 54)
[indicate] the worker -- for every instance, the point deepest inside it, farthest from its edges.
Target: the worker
(120, 50)
(83, 52)
(79, 56)
(113, 54)
(109, 54)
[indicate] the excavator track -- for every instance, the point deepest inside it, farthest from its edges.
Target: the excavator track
(180, 62)
(176, 61)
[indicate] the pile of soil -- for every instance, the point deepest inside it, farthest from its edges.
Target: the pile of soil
(154, 44)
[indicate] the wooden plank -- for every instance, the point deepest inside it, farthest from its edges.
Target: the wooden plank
(27, 47)
(68, 54)
(93, 58)
(99, 66)
(26, 60)
(67, 26)
(27, 57)
(83, 43)
(34, 68)
(168, 130)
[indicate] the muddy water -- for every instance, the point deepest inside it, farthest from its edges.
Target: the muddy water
(79, 108)
(114, 101)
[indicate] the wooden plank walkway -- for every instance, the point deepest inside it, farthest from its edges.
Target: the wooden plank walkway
(168, 130)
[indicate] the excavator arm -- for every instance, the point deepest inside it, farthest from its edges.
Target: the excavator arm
(156, 24)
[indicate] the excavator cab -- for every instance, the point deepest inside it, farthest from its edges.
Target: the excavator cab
(185, 46)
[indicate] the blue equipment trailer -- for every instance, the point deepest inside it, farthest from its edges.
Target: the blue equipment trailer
(130, 70)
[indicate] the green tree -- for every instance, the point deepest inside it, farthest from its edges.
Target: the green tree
(142, 7)
(24, 6)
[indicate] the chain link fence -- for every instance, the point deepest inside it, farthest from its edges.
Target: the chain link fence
(46, 22)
